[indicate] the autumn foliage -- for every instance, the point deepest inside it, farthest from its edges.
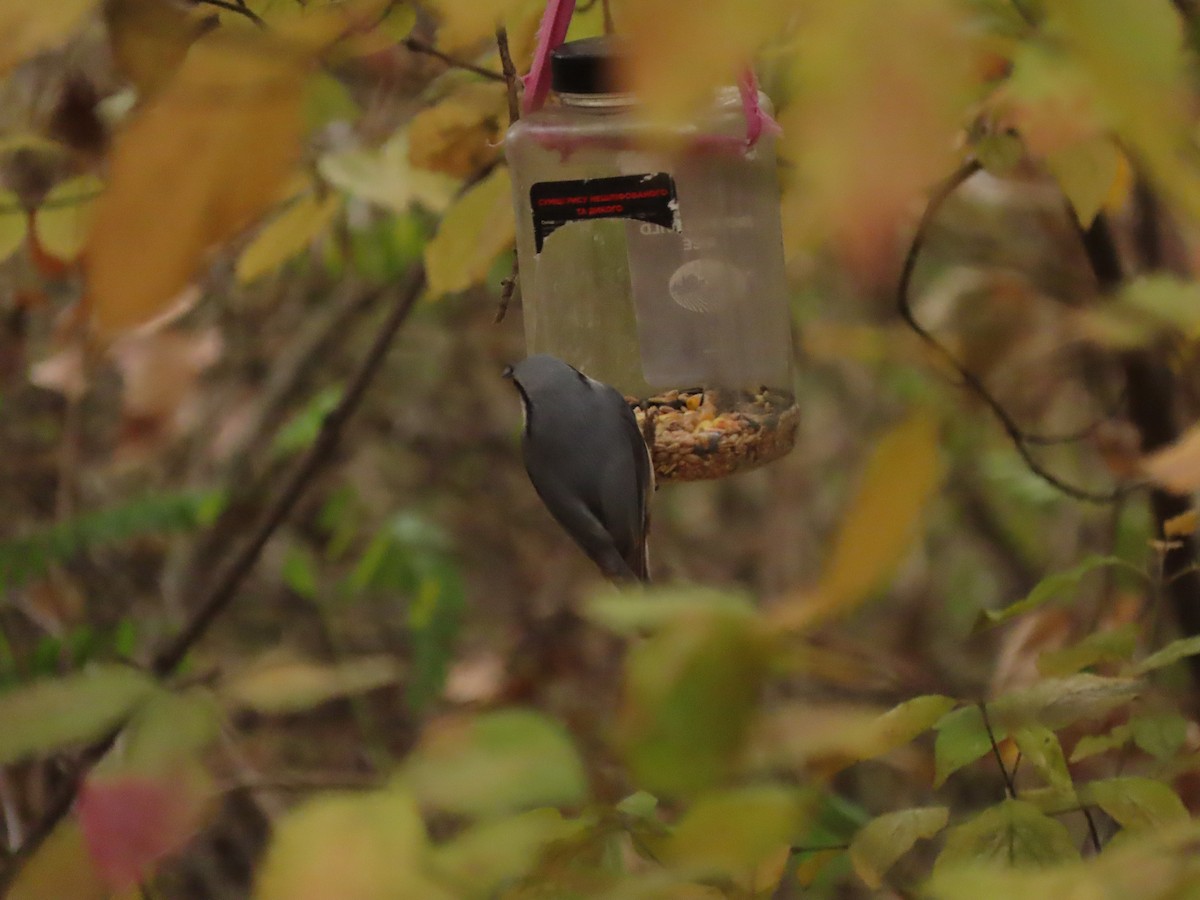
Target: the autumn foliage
(262, 578)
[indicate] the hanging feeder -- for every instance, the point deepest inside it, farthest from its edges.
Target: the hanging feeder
(652, 259)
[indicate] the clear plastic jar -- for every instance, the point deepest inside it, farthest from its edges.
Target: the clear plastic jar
(653, 260)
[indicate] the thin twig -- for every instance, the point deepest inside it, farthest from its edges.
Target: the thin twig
(609, 27)
(1093, 831)
(509, 285)
(987, 724)
(507, 288)
(419, 46)
(970, 379)
(819, 848)
(239, 8)
(510, 74)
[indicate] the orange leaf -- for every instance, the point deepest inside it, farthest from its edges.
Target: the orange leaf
(206, 157)
(1177, 467)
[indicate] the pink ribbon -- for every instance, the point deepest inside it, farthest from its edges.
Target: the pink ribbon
(553, 31)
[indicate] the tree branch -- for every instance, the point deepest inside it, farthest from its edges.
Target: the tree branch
(239, 8)
(217, 598)
(1020, 440)
(229, 577)
(509, 285)
(418, 46)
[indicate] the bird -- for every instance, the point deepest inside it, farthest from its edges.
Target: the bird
(588, 462)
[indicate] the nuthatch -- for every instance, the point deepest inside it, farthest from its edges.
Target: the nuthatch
(588, 462)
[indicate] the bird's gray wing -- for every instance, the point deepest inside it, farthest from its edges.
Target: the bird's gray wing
(580, 516)
(626, 484)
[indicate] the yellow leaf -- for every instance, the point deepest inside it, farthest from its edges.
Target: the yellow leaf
(394, 27)
(461, 134)
(873, 121)
(205, 157)
(1087, 172)
(681, 52)
(62, 867)
(471, 234)
(1177, 467)
(464, 24)
(149, 39)
(367, 845)
(1133, 54)
(286, 235)
(13, 224)
(27, 28)
(883, 840)
(284, 686)
(878, 526)
(62, 221)
(1182, 524)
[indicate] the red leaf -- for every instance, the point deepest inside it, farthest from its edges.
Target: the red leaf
(130, 822)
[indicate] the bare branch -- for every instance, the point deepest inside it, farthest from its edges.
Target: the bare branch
(510, 73)
(1020, 440)
(239, 8)
(419, 46)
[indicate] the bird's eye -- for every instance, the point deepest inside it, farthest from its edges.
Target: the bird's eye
(507, 373)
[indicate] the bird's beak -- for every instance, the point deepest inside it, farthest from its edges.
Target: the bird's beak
(507, 373)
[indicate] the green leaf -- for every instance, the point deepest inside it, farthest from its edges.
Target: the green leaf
(730, 832)
(1104, 646)
(282, 686)
(327, 100)
(370, 844)
(14, 223)
(635, 612)
(1049, 588)
(495, 763)
(1135, 802)
(62, 221)
(302, 429)
(165, 730)
(1086, 172)
(435, 616)
(300, 572)
(1059, 702)
(485, 856)
(885, 839)
(1092, 744)
(1162, 735)
(50, 714)
(1012, 833)
(1041, 748)
(961, 739)
(639, 805)
(690, 695)
(25, 558)
(1172, 653)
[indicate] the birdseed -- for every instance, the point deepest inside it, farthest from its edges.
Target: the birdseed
(701, 434)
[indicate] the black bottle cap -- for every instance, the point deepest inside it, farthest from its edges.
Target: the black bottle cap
(588, 66)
